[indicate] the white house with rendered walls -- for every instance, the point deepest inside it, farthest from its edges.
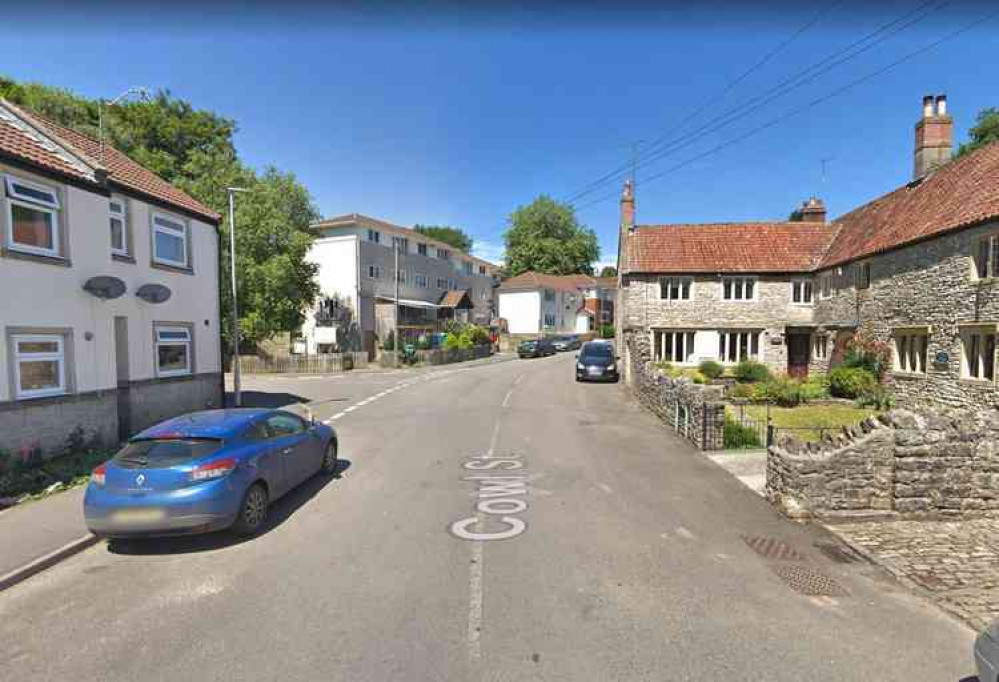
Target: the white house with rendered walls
(110, 317)
(535, 303)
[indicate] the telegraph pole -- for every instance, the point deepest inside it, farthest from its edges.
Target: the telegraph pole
(395, 249)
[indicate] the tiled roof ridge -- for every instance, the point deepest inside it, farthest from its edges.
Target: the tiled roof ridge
(27, 123)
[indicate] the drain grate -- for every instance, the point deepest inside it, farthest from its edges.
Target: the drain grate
(808, 581)
(772, 548)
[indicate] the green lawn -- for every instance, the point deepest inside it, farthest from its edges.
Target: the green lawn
(817, 416)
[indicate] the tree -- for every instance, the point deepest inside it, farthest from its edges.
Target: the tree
(608, 271)
(545, 236)
(449, 235)
(984, 132)
(194, 150)
(795, 216)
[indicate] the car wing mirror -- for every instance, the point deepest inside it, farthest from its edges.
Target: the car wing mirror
(308, 414)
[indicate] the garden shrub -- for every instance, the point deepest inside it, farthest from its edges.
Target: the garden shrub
(607, 331)
(870, 354)
(742, 391)
(851, 382)
(711, 369)
(751, 371)
(389, 343)
(735, 435)
(880, 398)
(814, 388)
(698, 377)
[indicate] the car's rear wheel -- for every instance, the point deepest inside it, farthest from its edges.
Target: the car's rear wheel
(330, 463)
(253, 511)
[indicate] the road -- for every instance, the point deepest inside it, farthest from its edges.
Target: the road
(625, 560)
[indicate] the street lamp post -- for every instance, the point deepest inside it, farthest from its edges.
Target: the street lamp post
(395, 248)
(142, 93)
(236, 394)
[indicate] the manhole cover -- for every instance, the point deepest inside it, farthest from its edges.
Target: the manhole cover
(806, 580)
(772, 548)
(837, 553)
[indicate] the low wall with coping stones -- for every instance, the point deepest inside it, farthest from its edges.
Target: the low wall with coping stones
(904, 463)
(694, 411)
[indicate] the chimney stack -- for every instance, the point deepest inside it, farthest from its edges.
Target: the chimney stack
(934, 137)
(813, 211)
(628, 207)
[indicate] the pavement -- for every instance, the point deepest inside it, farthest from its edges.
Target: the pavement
(608, 550)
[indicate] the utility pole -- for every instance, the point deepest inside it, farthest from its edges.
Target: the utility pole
(236, 393)
(395, 249)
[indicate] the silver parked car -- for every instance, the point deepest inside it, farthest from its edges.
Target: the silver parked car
(987, 653)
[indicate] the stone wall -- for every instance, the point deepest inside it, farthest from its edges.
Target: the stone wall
(693, 411)
(938, 463)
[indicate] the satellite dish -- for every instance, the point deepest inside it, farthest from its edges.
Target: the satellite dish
(105, 287)
(153, 293)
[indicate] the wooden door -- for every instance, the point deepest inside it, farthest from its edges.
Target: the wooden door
(798, 348)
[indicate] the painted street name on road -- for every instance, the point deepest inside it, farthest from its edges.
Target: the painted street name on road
(501, 499)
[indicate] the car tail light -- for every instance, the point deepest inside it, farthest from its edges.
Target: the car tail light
(216, 469)
(99, 475)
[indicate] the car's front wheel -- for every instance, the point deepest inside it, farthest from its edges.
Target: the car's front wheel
(330, 463)
(253, 512)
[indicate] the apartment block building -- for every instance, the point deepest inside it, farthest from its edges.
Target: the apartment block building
(110, 291)
(356, 255)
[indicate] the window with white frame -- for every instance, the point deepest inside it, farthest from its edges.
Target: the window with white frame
(987, 258)
(39, 365)
(443, 254)
(173, 351)
(911, 350)
(170, 241)
(375, 271)
(736, 346)
(466, 267)
(674, 288)
(442, 283)
(118, 219)
(862, 275)
(401, 243)
(820, 346)
(421, 249)
(673, 346)
(738, 288)
(978, 350)
(801, 291)
(549, 319)
(421, 281)
(482, 270)
(374, 236)
(33, 217)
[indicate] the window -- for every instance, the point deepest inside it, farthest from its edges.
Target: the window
(401, 276)
(169, 241)
(466, 267)
(442, 283)
(549, 294)
(801, 291)
(911, 351)
(421, 249)
(673, 346)
(375, 271)
(738, 288)
(738, 346)
(825, 285)
(173, 351)
(39, 365)
(374, 236)
(482, 269)
(421, 281)
(484, 295)
(978, 347)
(820, 346)
(117, 219)
(862, 272)
(33, 212)
(443, 254)
(674, 288)
(987, 258)
(549, 319)
(401, 243)
(283, 424)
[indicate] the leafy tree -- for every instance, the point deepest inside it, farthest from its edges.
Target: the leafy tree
(545, 236)
(608, 271)
(449, 235)
(194, 150)
(985, 131)
(795, 216)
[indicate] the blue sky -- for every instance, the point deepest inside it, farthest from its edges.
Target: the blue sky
(445, 116)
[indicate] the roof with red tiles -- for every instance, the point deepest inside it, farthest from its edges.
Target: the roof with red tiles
(539, 280)
(452, 299)
(728, 247)
(72, 153)
(962, 193)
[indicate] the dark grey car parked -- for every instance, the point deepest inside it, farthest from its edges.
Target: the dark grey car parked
(596, 362)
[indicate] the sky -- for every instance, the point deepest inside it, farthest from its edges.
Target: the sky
(435, 113)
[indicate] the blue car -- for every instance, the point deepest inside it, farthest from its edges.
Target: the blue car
(206, 471)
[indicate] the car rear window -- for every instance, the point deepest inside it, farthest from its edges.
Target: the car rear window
(164, 453)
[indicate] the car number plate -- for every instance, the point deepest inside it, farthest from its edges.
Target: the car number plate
(595, 371)
(137, 516)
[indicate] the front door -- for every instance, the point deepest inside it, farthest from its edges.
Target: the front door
(798, 348)
(122, 377)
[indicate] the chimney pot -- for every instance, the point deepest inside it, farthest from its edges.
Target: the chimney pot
(813, 211)
(934, 137)
(927, 106)
(941, 105)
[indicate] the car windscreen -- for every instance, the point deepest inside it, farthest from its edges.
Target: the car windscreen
(528, 344)
(596, 355)
(164, 453)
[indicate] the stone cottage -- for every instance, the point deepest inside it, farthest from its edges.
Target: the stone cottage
(916, 268)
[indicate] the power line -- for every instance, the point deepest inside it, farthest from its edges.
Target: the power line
(797, 80)
(849, 86)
